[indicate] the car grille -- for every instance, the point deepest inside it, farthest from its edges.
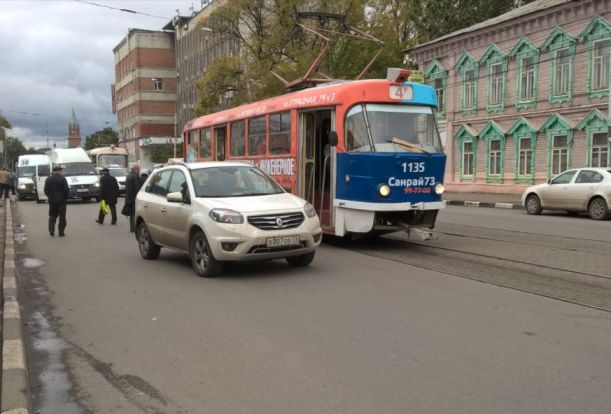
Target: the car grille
(261, 249)
(277, 221)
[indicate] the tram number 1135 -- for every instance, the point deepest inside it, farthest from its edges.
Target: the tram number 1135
(413, 167)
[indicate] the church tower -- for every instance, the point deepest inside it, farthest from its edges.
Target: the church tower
(74, 132)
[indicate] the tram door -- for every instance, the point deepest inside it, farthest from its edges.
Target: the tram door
(315, 161)
(220, 134)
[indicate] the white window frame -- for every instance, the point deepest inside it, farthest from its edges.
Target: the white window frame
(467, 167)
(559, 153)
(525, 157)
(496, 84)
(527, 80)
(601, 150)
(469, 102)
(562, 73)
(600, 67)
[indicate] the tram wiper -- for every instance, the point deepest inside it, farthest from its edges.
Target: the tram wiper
(408, 145)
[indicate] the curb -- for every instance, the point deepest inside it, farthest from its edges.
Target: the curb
(467, 203)
(15, 386)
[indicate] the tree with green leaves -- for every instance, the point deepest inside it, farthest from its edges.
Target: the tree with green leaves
(275, 47)
(13, 148)
(435, 18)
(103, 138)
(4, 124)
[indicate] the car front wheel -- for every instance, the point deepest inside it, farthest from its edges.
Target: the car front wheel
(148, 249)
(598, 209)
(202, 259)
(301, 261)
(533, 205)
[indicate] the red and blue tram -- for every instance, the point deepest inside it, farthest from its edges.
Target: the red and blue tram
(366, 153)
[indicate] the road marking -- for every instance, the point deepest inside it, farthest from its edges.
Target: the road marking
(11, 310)
(9, 264)
(12, 354)
(9, 283)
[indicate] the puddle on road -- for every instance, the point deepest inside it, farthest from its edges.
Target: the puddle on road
(55, 384)
(32, 262)
(19, 234)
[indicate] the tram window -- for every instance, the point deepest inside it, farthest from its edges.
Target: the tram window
(204, 143)
(237, 140)
(192, 146)
(280, 133)
(356, 131)
(256, 136)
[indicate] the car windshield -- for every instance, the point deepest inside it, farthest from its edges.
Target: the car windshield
(116, 172)
(112, 159)
(78, 168)
(391, 128)
(233, 181)
(26, 171)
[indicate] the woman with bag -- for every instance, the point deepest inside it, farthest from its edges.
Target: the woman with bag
(109, 192)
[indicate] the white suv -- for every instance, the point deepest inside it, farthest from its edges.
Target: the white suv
(224, 211)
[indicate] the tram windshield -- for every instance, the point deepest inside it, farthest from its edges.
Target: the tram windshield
(391, 128)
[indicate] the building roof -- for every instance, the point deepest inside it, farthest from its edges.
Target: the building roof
(510, 15)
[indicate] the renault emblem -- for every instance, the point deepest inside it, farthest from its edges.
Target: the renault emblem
(279, 222)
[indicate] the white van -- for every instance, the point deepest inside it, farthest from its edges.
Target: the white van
(83, 180)
(28, 173)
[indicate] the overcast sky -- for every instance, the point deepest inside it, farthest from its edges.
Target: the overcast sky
(57, 54)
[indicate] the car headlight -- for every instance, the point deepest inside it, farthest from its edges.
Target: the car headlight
(309, 209)
(97, 184)
(384, 190)
(223, 215)
(21, 186)
(439, 188)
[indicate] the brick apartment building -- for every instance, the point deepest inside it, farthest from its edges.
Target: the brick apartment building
(144, 92)
(523, 96)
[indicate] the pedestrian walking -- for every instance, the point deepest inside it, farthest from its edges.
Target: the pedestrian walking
(4, 179)
(11, 185)
(132, 186)
(109, 192)
(56, 189)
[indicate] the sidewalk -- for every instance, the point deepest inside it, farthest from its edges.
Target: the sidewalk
(509, 201)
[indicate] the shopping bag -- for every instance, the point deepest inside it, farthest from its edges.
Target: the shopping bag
(104, 207)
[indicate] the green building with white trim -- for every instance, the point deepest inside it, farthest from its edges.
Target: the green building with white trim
(523, 96)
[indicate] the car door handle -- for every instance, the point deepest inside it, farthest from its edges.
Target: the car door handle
(145, 205)
(164, 210)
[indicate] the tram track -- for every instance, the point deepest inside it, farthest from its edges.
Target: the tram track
(584, 288)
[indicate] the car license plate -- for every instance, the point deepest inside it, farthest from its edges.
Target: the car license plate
(81, 190)
(282, 241)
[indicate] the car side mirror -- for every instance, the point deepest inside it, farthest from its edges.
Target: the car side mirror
(549, 181)
(175, 197)
(333, 138)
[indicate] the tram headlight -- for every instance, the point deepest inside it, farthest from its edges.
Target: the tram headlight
(439, 188)
(384, 190)
(309, 210)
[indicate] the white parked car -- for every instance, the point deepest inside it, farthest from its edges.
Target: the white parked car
(223, 211)
(580, 190)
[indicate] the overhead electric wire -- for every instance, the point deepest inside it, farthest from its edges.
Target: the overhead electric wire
(120, 9)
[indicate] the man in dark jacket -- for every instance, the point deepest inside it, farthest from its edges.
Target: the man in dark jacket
(132, 186)
(109, 192)
(57, 190)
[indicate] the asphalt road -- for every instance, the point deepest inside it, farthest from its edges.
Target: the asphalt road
(362, 330)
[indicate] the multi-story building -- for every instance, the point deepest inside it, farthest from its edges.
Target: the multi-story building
(196, 46)
(523, 96)
(144, 92)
